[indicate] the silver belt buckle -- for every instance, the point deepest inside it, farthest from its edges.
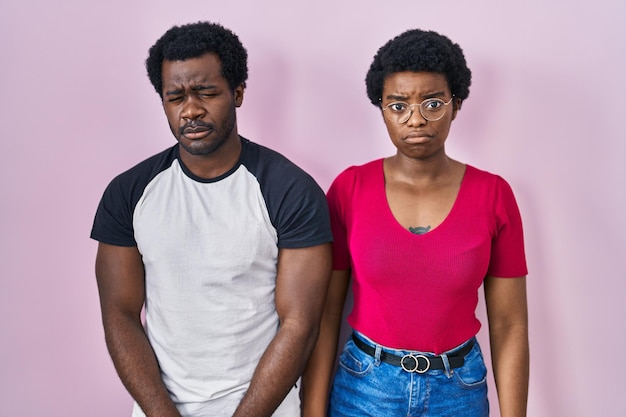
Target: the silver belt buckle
(416, 359)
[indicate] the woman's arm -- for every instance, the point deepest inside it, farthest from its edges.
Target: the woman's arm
(317, 376)
(507, 312)
(301, 284)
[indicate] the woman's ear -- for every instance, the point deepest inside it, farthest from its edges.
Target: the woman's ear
(456, 106)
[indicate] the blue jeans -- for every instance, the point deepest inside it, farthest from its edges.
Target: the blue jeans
(365, 386)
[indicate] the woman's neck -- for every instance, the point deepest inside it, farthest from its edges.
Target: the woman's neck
(417, 171)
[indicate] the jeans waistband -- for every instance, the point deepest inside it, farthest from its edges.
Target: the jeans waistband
(417, 362)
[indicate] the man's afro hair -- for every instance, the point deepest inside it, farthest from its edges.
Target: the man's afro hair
(194, 40)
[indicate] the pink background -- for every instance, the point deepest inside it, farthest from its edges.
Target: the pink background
(545, 111)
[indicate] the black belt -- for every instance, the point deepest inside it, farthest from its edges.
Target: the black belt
(417, 363)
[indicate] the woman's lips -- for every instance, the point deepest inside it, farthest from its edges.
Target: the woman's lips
(416, 138)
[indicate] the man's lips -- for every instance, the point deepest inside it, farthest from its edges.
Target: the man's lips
(196, 131)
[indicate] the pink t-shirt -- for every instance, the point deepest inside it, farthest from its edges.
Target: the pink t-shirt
(419, 292)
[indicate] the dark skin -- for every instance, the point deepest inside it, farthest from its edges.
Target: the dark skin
(318, 375)
(301, 273)
(200, 108)
(120, 276)
(421, 182)
(421, 185)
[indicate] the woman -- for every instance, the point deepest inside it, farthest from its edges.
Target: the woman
(419, 233)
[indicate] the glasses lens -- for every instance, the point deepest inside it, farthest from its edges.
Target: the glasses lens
(406, 115)
(433, 109)
(398, 111)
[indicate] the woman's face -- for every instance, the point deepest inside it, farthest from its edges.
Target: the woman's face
(418, 138)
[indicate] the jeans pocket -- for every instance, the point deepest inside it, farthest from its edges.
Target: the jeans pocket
(473, 373)
(354, 361)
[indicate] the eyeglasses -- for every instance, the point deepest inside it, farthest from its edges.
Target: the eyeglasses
(431, 109)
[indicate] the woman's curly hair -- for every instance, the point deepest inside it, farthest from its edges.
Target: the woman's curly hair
(194, 40)
(417, 50)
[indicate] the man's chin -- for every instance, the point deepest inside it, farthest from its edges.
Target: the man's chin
(198, 148)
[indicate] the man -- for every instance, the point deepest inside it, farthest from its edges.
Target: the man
(225, 242)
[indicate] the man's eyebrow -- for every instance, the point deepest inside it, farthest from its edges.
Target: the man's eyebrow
(203, 87)
(179, 91)
(174, 92)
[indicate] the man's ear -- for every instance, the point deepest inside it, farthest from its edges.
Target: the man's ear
(238, 93)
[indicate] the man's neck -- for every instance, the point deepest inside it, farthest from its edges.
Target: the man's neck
(215, 164)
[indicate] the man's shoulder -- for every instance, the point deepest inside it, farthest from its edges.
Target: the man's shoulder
(156, 161)
(263, 153)
(268, 164)
(147, 169)
(295, 202)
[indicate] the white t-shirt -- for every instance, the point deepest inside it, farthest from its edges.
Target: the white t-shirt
(210, 249)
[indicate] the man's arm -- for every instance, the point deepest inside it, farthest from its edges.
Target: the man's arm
(120, 276)
(508, 334)
(301, 285)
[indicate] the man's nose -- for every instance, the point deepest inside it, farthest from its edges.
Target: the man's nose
(192, 108)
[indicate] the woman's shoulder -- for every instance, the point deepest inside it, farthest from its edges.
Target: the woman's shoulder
(350, 178)
(366, 169)
(482, 176)
(488, 184)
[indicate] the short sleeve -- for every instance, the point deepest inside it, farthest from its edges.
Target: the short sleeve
(113, 223)
(508, 258)
(302, 218)
(295, 202)
(337, 195)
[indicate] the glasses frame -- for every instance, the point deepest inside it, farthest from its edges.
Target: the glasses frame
(405, 118)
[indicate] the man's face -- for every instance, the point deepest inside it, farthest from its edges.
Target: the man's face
(199, 104)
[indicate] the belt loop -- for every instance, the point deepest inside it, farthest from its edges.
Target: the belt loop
(377, 354)
(446, 365)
